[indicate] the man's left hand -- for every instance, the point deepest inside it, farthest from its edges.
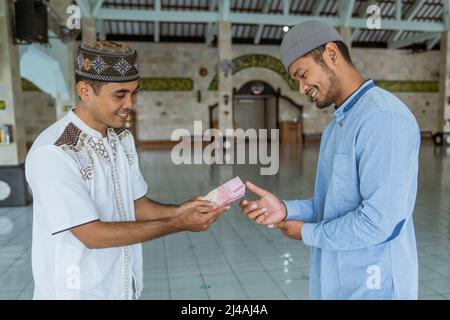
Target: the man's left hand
(291, 229)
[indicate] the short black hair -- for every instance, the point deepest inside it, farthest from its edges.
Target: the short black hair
(95, 85)
(316, 53)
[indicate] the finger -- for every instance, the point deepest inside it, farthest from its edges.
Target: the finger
(223, 209)
(247, 203)
(205, 203)
(261, 219)
(217, 212)
(270, 221)
(250, 207)
(256, 213)
(273, 219)
(255, 189)
(214, 219)
(197, 198)
(205, 209)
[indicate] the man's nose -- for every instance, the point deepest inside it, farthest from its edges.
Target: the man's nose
(128, 103)
(302, 87)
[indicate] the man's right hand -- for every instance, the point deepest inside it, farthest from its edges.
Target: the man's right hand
(268, 210)
(197, 214)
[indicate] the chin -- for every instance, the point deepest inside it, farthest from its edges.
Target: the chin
(117, 124)
(323, 105)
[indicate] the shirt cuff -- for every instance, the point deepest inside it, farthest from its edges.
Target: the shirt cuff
(141, 192)
(307, 233)
(291, 208)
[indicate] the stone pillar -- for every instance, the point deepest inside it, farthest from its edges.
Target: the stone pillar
(66, 62)
(13, 190)
(346, 34)
(444, 87)
(88, 29)
(225, 76)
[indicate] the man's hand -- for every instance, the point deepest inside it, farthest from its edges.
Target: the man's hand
(268, 210)
(291, 229)
(197, 214)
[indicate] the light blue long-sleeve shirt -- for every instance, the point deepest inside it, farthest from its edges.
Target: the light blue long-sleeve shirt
(359, 222)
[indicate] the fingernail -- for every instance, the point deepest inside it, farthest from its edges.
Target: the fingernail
(271, 226)
(253, 206)
(263, 209)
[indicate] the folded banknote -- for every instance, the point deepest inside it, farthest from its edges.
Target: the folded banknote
(228, 192)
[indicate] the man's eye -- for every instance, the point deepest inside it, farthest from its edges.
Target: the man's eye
(119, 97)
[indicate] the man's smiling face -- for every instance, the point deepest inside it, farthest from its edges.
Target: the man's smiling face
(316, 80)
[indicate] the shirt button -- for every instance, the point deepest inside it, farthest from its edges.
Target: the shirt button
(340, 124)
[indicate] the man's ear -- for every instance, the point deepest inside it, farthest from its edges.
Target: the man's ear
(331, 53)
(84, 90)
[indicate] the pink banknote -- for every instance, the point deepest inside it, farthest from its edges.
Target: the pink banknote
(228, 192)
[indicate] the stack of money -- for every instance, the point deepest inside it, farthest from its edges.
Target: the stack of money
(227, 193)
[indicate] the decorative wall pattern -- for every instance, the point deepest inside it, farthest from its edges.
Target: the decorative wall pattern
(408, 86)
(256, 60)
(29, 86)
(164, 105)
(166, 84)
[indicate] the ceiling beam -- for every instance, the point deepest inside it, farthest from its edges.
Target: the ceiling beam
(318, 7)
(421, 37)
(362, 13)
(260, 28)
(224, 10)
(431, 43)
(211, 27)
(257, 18)
(409, 16)
(398, 9)
(97, 7)
(286, 6)
(152, 15)
(446, 14)
(156, 23)
(85, 8)
(345, 11)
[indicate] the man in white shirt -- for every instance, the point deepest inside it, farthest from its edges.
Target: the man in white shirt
(90, 212)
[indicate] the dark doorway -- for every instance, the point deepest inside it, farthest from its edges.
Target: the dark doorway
(256, 106)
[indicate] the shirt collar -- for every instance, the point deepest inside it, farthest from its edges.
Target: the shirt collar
(83, 126)
(352, 99)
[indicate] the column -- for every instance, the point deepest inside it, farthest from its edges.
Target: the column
(346, 34)
(225, 76)
(66, 61)
(88, 29)
(13, 190)
(444, 87)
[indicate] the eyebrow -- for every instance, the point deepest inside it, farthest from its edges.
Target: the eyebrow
(295, 75)
(126, 90)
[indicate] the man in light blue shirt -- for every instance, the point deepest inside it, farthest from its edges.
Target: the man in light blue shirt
(359, 221)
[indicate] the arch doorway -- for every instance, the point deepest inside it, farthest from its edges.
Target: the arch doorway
(256, 106)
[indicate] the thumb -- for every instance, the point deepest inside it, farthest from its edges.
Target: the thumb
(259, 191)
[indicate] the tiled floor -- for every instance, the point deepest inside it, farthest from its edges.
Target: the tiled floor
(236, 259)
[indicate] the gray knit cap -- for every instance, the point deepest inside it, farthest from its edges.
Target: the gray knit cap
(305, 37)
